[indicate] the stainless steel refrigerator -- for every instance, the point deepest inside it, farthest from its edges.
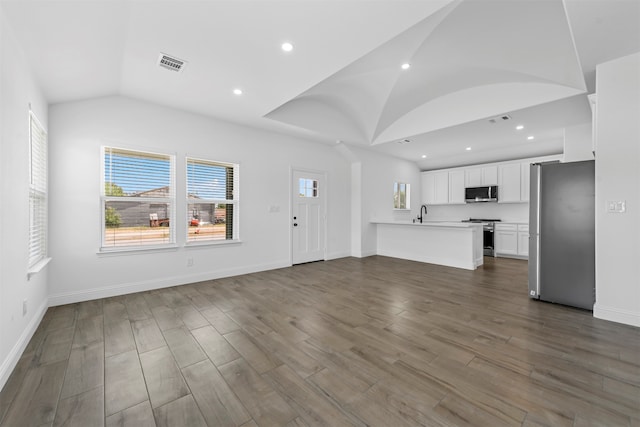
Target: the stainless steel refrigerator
(562, 233)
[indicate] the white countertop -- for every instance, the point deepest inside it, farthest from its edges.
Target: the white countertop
(448, 224)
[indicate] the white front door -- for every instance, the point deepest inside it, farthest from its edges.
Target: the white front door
(308, 216)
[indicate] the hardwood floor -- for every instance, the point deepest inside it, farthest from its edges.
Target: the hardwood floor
(362, 342)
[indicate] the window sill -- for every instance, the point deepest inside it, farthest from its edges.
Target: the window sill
(37, 267)
(205, 243)
(402, 209)
(136, 250)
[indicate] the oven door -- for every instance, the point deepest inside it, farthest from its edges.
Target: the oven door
(488, 240)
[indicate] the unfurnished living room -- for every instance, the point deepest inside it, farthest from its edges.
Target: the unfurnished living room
(296, 213)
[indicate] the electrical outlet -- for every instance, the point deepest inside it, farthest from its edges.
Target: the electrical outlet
(189, 262)
(24, 307)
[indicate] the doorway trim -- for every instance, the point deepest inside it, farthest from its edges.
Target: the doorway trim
(292, 171)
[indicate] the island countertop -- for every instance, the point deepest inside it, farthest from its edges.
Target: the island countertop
(450, 243)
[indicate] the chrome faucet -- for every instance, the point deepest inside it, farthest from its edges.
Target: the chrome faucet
(423, 207)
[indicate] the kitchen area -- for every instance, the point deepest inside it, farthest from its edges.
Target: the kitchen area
(539, 210)
(492, 199)
(459, 194)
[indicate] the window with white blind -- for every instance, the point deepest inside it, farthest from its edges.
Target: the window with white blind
(138, 199)
(212, 200)
(38, 217)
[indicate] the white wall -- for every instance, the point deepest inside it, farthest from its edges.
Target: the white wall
(618, 179)
(77, 130)
(17, 91)
(578, 143)
(373, 176)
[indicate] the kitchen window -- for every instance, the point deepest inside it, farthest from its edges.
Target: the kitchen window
(212, 201)
(401, 196)
(138, 199)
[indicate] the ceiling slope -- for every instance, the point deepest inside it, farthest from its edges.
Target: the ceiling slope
(469, 60)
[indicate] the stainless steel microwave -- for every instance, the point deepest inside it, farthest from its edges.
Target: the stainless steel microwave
(481, 194)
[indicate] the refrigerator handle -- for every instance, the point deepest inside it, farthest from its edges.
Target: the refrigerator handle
(538, 201)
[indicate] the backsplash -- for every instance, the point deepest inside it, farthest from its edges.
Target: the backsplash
(514, 212)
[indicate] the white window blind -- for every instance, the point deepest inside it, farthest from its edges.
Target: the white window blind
(38, 217)
(138, 198)
(212, 200)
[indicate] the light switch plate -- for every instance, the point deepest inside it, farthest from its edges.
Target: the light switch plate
(616, 206)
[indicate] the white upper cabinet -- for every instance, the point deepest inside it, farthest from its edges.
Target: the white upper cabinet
(525, 170)
(481, 176)
(446, 186)
(435, 188)
(490, 175)
(456, 187)
(473, 177)
(509, 183)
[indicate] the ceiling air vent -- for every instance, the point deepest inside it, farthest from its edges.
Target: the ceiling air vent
(171, 63)
(498, 119)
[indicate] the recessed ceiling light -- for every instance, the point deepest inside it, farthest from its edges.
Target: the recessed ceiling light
(287, 47)
(519, 127)
(237, 91)
(530, 137)
(468, 148)
(405, 66)
(424, 156)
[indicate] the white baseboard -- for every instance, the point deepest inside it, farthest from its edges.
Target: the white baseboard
(336, 255)
(616, 315)
(147, 285)
(365, 254)
(10, 362)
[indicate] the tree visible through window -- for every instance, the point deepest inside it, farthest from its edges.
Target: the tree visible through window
(401, 196)
(138, 198)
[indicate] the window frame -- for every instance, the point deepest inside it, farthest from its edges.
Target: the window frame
(235, 202)
(407, 196)
(170, 201)
(38, 192)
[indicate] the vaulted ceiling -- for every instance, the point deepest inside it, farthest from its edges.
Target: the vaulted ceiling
(469, 60)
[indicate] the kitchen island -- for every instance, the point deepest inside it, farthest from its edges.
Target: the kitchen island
(454, 244)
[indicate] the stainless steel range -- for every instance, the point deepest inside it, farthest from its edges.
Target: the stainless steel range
(488, 228)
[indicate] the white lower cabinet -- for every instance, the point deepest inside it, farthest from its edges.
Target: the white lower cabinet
(511, 240)
(506, 239)
(523, 240)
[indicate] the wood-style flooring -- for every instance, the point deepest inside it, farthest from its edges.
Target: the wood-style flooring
(363, 342)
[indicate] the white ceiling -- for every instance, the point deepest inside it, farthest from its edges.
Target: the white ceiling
(471, 59)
